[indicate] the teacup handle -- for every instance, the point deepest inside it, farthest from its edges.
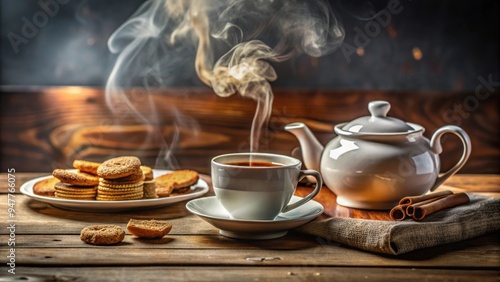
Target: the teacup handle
(319, 184)
(437, 149)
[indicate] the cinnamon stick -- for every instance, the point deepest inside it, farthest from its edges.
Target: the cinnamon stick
(449, 201)
(415, 199)
(398, 212)
(411, 208)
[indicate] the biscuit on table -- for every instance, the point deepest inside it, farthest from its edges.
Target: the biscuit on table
(75, 177)
(102, 234)
(86, 166)
(148, 229)
(46, 187)
(119, 167)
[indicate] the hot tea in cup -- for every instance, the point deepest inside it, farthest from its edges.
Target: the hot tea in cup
(259, 186)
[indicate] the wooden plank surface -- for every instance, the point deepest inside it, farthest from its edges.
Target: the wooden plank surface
(47, 128)
(247, 273)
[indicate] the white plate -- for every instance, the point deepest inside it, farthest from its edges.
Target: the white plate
(200, 188)
(210, 210)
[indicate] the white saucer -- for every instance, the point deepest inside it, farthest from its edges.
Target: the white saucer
(210, 210)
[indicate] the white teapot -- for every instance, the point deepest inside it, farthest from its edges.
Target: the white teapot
(377, 160)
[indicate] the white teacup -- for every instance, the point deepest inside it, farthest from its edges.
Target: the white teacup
(262, 190)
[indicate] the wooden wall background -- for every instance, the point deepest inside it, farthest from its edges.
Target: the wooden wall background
(46, 128)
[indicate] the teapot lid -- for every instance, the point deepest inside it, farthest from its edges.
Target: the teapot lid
(378, 122)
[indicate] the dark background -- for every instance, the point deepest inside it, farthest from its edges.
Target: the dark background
(459, 41)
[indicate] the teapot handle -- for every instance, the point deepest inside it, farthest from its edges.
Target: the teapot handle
(437, 149)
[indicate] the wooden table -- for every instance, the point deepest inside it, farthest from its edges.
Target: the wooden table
(47, 245)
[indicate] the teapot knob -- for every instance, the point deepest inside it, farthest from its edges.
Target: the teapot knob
(379, 108)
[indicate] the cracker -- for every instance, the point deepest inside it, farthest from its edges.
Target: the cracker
(119, 167)
(86, 166)
(75, 178)
(45, 187)
(102, 234)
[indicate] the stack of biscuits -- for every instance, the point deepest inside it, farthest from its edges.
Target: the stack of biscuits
(77, 185)
(120, 179)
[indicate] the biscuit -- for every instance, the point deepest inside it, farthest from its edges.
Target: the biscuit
(130, 179)
(120, 186)
(179, 178)
(148, 229)
(148, 172)
(119, 167)
(66, 191)
(163, 190)
(45, 187)
(102, 234)
(75, 178)
(104, 189)
(74, 196)
(60, 186)
(86, 166)
(122, 197)
(149, 190)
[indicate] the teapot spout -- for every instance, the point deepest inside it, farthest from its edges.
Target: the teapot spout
(310, 146)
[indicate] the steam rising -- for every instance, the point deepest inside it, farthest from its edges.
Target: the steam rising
(234, 43)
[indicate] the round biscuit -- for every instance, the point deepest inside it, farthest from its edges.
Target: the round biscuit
(72, 194)
(119, 193)
(86, 166)
(102, 234)
(73, 197)
(133, 178)
(121, 186)
(75, 178)
(137, 196)
(60, 186)
(119, 167)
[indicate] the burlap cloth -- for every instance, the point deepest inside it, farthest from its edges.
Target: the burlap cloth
(480, 216)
